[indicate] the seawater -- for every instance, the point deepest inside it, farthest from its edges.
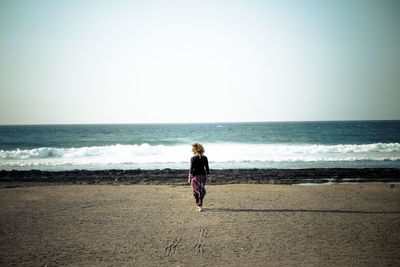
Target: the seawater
(340, 144)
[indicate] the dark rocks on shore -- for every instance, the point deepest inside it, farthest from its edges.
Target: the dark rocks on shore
(179, 177)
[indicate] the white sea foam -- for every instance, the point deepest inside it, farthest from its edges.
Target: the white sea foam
(161, 156)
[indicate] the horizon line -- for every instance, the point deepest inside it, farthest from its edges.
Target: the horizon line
(203, 122)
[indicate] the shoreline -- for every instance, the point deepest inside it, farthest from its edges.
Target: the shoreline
(178, 177)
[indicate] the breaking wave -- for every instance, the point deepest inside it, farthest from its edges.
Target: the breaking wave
(221, 155)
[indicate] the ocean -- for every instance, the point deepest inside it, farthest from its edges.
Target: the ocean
(333, 144)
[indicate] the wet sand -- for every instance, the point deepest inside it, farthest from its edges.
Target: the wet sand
(220, 177)
(242, 225)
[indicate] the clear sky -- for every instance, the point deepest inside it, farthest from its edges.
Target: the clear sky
(198, 61)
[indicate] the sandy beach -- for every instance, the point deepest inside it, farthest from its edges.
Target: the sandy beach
(242, 225)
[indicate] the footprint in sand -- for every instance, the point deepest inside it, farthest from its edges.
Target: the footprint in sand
(199, 246)
(173, 245)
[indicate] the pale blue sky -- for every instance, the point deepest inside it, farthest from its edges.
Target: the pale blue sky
(198, 61)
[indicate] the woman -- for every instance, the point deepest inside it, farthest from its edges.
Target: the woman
(199, 174)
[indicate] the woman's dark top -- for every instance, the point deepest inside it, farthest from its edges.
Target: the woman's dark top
(199, 166)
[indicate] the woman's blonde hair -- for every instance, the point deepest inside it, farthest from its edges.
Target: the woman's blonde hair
(198, 149)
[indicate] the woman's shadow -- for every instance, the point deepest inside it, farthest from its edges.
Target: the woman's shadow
(300, 211)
